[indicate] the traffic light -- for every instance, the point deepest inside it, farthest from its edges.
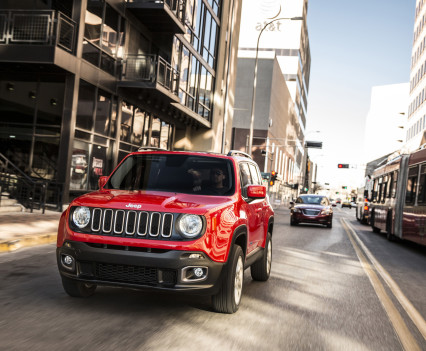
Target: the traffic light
(342, 165)
(344, 187)
(273, 178)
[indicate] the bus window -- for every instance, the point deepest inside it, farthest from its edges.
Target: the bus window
(394, 183)
(410, 195)
(375, 190)
(380, 190)
(422, 186)
(385, 188)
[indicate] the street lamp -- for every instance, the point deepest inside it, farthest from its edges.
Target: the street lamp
(255, 77)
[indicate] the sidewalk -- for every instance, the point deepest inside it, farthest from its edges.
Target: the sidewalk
(21, 229)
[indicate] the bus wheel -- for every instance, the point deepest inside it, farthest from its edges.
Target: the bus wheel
(390, 236)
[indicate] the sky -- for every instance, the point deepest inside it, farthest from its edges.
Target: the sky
(355, 45)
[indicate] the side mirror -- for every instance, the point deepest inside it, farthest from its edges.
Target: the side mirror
(102, 181)
(256, 191)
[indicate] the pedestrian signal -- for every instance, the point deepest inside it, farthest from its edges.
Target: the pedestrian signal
(342, 165)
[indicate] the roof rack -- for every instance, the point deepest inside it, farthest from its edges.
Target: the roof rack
(147, 148)
(238, 153)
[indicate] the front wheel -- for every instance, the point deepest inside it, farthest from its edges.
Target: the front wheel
(78, 289)
(261, 269)
(330, 225)
(228, 299)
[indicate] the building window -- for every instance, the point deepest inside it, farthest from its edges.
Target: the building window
(103, 36)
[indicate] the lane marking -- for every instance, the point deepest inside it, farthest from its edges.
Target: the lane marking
(406, 338)
(415, 316)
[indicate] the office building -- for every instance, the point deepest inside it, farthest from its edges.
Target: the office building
(85, 82)
(281, 88)
(416, 122)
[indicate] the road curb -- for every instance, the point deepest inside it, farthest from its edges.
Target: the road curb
(15, 244)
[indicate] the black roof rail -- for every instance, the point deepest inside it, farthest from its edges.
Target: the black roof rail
(152, 148)
(238, 153)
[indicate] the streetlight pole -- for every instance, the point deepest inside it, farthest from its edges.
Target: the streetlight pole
(249, 151)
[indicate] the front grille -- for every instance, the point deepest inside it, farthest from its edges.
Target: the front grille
(134, 274)
(311, 212)
(129, 223)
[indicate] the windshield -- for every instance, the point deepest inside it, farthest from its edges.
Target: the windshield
(174, 173)
(312, 200)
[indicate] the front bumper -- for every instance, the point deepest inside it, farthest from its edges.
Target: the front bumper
(169, 270)
(320, 219)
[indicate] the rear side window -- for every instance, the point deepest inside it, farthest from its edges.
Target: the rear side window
(255, 174)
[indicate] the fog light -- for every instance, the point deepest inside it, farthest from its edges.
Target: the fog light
(68, 260)
(194, 274)
(198, 272)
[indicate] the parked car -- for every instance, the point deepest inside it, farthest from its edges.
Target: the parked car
(363, 211)
(311, 209)
(173, 221)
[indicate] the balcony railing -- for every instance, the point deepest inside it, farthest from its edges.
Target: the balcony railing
(176, 6)
(155, 14)
(38, 27)
(151, 69)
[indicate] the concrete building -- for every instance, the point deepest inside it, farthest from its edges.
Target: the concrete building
(281, 89)
(84, 82)
(416, 122)
(386, 121)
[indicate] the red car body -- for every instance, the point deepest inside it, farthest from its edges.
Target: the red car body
(243, 218)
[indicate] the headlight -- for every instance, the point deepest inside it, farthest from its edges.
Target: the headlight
(190, 225)
(81, 216)
(325, 212)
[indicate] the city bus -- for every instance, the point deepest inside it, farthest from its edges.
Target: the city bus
(398, 198)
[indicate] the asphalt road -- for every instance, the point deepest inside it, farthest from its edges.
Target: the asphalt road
(322, 295)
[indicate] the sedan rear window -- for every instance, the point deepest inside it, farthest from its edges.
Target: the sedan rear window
(174, 173)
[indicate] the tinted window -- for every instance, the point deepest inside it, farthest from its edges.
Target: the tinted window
(174, 173)
(312, 200)
(410, 194)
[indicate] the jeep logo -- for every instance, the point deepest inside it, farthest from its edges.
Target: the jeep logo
(138, 206)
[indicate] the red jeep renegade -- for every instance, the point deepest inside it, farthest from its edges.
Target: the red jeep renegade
(173, 221)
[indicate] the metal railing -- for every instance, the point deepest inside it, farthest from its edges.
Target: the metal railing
(37, 27)
(176, 6)
(32, 193)
(151, 68)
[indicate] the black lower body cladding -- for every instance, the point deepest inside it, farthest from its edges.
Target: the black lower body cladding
(169, 270)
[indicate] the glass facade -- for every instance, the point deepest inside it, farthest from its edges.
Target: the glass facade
(30, 125)
(92, 122)
(103, 36)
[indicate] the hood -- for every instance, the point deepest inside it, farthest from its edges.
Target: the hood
(152, 201)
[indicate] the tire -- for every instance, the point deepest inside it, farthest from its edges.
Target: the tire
(78, 289)
(293, 222)
(390, 236)
(228, 299)
(330, 225)
(261, 269)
